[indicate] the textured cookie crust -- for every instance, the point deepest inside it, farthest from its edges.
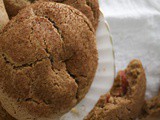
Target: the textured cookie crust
(125, 104)
(88, 7)
(3, 15)
(48, 59)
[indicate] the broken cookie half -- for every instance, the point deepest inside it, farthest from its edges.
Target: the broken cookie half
(125, 99)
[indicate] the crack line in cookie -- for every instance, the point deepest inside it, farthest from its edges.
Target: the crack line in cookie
(56, 27)
(51, 58)
(32, 100)
(59, 32)
(23, 65)
(71, 75)
(28, 100)
(67, 59)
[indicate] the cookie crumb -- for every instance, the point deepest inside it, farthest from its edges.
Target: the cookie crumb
(75, 111)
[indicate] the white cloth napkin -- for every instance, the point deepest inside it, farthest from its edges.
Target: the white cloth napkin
(135, 29)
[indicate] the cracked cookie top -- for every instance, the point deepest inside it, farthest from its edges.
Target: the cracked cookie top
(90, 8)
(48, 59)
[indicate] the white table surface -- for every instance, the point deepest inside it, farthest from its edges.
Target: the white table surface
(135, 29)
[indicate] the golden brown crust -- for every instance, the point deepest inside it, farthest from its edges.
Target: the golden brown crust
(125, 99)
(3, 15)
(48, 60)
(88, 7)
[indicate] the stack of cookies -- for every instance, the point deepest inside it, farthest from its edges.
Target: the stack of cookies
(48, 57)
(48, 60)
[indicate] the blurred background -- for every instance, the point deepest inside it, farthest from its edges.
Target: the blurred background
(135, 29)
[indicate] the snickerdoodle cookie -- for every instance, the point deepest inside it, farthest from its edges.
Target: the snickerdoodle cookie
(126, 97)
(88, 7)
(3, 15)
(48, 59)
